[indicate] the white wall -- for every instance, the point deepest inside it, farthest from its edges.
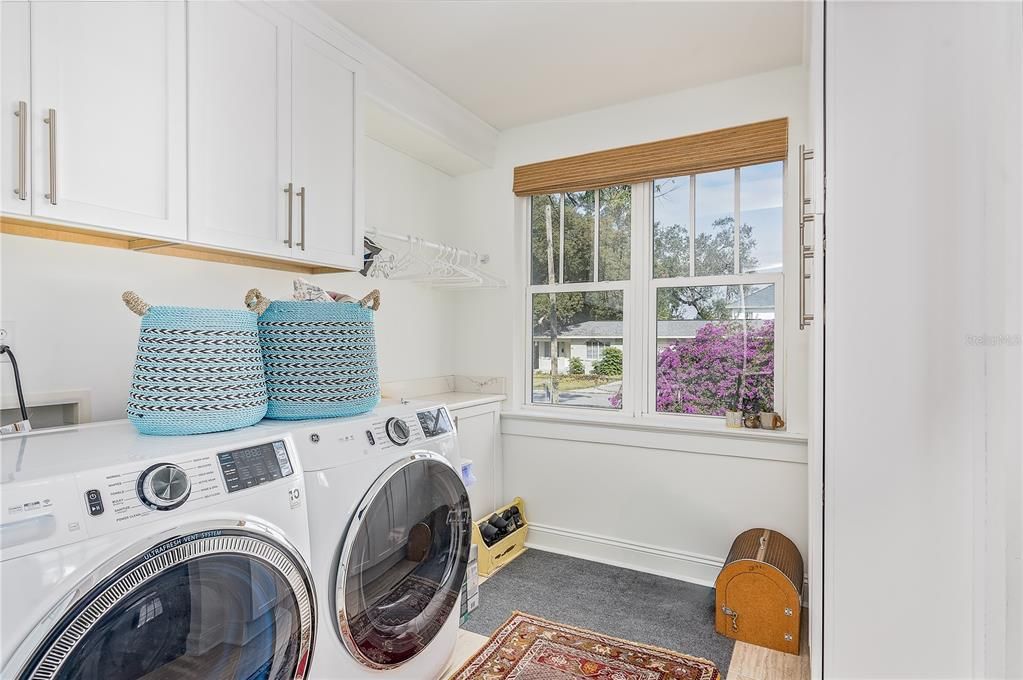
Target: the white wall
(922, 386)
(73, 332)
(672, 504)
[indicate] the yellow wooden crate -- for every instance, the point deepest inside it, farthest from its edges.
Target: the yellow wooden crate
(493, 557)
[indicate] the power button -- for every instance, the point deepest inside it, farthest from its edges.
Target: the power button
(95, 502)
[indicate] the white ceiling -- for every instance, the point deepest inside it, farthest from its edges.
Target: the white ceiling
(518, 62)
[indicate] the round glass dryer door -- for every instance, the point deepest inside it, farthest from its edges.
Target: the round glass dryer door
(403, 561)
(226, 604)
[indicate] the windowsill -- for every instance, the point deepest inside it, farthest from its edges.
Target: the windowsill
(650, 423)
(693, 433)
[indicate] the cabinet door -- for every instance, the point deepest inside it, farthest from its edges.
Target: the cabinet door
(113, 153)
(326, 136)
(14, 92)
(239, 106)
(477, 441)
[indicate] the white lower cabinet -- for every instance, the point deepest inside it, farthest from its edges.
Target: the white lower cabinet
(479, 440)
(108, 115)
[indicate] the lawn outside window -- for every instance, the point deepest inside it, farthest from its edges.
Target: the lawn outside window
(661, 299)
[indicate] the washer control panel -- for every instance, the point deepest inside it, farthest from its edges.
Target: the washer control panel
(254, 465)
(163, 486)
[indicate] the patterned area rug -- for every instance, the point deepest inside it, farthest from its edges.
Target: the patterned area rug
(530, 648)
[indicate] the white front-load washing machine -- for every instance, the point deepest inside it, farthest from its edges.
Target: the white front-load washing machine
(389, 524)
(126, 556)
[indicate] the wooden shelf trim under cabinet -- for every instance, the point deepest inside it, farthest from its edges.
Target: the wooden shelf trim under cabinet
(56, 232)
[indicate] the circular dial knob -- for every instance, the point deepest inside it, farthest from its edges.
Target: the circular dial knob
(164, 486)
(398, 431)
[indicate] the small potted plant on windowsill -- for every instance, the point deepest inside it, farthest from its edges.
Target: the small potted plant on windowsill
(753, 406)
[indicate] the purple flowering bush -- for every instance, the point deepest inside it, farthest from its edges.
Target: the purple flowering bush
(704, 375)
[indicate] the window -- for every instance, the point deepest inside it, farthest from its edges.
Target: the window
(705, 263)
(580, 263)
(717, 255)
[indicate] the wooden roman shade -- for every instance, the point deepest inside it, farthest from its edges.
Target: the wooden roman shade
(705, 152)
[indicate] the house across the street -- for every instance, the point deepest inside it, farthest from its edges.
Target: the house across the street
(587, 340)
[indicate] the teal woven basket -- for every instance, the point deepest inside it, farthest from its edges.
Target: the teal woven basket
(320, 357)
(197, 370)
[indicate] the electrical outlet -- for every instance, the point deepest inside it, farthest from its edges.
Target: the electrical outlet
(7, 333)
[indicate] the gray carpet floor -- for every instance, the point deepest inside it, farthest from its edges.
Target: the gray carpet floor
(653, 610)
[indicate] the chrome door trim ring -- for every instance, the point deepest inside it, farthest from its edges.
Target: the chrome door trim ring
(341, 574)
(40, 656)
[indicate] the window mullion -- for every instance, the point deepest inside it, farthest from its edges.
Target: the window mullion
(692, 224)
(596, 234)
(561, 241)
(735, 241)
(641, 268)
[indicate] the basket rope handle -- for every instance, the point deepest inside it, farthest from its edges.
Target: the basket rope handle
(135, 302)
(372, 300)
(256, 301)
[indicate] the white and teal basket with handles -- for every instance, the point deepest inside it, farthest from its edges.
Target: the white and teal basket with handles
(197, 370)
(320, 357)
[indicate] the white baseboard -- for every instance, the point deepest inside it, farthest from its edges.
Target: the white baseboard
(677, 564)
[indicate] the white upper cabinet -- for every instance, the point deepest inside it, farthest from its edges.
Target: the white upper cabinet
(108, 115)
(273, 137)
(223, 124)
(15, 88)
(326, 134)
(239, 114)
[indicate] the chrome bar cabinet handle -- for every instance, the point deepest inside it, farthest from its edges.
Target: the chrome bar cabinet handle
(51, 122)
(301, 218)
(22, 116)
(290, 191)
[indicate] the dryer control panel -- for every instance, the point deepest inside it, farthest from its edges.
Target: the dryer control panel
(410, 429)
(434, 421)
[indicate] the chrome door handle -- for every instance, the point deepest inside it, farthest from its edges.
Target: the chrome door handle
(290, 191)
(22, 116)
(51, 122)
(804, 156)
(805, 251)
(301, 218)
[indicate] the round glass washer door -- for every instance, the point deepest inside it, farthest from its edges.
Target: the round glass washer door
(403, 561)
(220, 603)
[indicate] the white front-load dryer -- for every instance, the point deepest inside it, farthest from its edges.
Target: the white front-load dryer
(126, 556)
(390, 530)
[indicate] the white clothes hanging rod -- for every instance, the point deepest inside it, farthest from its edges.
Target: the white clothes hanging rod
(441, 247)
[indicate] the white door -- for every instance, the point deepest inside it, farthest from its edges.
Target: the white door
(326, 132)
(14, 92)
(112, 154)
(239, 114)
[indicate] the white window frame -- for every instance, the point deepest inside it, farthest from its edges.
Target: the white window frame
(639, 312)
(598, 347)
